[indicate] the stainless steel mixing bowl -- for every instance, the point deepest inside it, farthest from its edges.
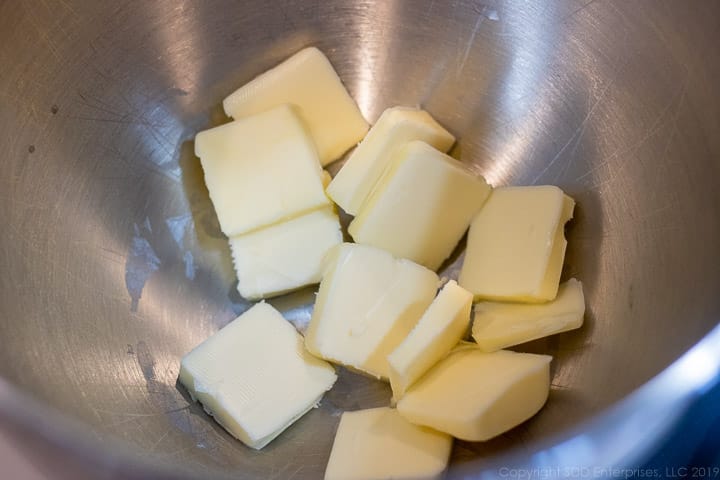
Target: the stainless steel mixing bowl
(112, 265)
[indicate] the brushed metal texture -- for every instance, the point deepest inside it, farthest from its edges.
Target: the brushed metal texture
(112, 265)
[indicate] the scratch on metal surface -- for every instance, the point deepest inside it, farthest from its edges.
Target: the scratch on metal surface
(95, 411)
(69, 8)
(297, 470)
(180, 450)
(112, 114)
(158, 441)
(469, 43)
(99, 105)
(28, 242)
(579, 131)
(676, 113)
(577, 10)
(41, 31)
(658, 211)
(651, 131)
(276, 474)
(159, 139)
(16, 201)
(167, 163)
(129, 414)
(33, 114)
(175, 410)
(620, 13)
(122, 121)
(131, 171)
(132, 416)
(111, 425)
(571, 156)
(111, 255)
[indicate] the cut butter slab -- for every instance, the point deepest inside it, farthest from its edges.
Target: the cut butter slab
(367, 304)
(500, 325)
(421, 206)
(284, 256)
(396, 126)
(326, 178)
(516, 245)
(308, 81)
(441, 327)
(260, 170)
(379, 444)
(473, 395)
(255, 376)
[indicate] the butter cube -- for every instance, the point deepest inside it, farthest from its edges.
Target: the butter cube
(421, 206)
(326, 178)
(379, 444)
(500, 325)
(260, 170)
(367, 304)
(255, 376)
(396, 126)
(475, 396)
(516, 245)
(285, 256)
(308, 81)
(441, 327)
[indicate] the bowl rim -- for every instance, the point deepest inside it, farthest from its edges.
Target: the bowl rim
(624, 434)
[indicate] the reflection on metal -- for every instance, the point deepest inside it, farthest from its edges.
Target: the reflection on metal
(142, 261)
(100, 195)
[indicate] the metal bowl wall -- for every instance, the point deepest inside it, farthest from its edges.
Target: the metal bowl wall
(112, 265)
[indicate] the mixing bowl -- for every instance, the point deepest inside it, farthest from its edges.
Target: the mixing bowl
(112, 265)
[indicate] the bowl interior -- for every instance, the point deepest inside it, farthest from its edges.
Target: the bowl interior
(113, 265)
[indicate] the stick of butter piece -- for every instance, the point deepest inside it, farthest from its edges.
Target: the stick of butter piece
(500, 325)
(255, 376)
(308, 81)
(260, 170)
(441, 327)
(326, 178)
(379, 444)
(516, 245)
(285, 256)
(475, 396)
(396, 126)
(421, 206)
(367, 304)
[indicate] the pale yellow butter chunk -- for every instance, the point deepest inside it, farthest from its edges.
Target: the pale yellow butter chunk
(516, 245)
(421, 206)
(255, 376)
(367, 304)
(260, 170)
(473, 395)
(500, 325)
(378, 444)
(396, 126)
(284, 256)
(441, 327)
(308, 81)
(326, 178)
